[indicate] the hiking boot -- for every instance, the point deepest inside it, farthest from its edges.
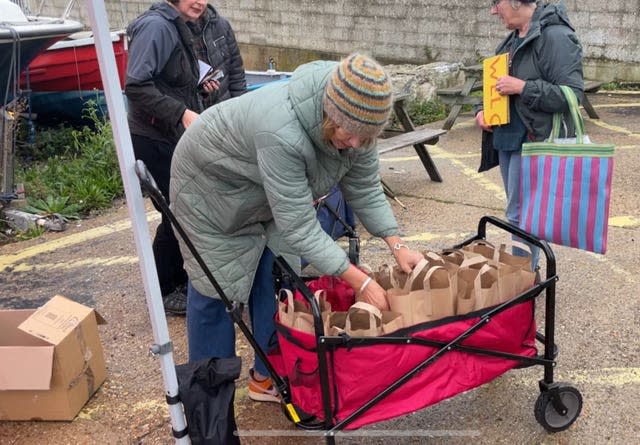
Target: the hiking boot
(175, 302)
(262, 390)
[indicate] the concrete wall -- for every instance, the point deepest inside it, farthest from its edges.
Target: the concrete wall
(411, 31)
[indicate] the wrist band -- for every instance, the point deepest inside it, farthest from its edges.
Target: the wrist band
(364, 285)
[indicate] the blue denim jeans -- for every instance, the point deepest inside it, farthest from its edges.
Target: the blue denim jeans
(510, 171)
(210, 330)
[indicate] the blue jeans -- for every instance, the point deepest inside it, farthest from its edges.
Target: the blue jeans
(210, 330)
(510, 171)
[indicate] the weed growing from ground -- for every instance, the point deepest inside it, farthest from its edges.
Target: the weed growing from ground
(54, 206)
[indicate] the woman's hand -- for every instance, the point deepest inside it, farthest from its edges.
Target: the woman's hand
(366, 288)
(374, 294)
(508, 85)
(406, 258)
(210, 86)
(480, 122)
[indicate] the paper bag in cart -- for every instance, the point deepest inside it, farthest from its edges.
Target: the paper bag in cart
(366, 320)
(295, 313)
(410, 300)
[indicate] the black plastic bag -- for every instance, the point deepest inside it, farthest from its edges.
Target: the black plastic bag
(489, 155)
(207, 389)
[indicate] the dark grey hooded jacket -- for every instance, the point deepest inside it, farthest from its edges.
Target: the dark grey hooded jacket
(162, 72)
(549, 56)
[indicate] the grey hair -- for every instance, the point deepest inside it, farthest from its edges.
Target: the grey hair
(515, 4)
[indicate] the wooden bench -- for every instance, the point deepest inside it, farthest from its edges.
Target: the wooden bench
(590, 86)
(461, 95)
(419, 136)
(412, 136)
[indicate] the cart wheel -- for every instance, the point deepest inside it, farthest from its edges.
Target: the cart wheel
(548, 416)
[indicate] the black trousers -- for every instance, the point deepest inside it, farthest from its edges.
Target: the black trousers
(169, 265)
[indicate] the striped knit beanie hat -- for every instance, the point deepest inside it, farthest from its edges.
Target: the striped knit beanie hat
(358, 96)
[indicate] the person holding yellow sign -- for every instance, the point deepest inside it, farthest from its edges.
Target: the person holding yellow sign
(543, 54)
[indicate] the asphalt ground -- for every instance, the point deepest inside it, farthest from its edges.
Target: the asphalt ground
(597, 312)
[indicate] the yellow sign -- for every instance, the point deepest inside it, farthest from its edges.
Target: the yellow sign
(496, 106)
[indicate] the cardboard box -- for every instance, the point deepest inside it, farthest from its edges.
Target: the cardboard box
(51, 360)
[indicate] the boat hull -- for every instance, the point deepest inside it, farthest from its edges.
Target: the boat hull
(72, 65)
(22, 38)
(258, 79)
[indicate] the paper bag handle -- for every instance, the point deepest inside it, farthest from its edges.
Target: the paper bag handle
(373, 312)
(473, 261)
(417, 270)
(477, 282)
(431, 271)
(363, 305)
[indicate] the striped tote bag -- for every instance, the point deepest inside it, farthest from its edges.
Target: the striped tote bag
(565, 186)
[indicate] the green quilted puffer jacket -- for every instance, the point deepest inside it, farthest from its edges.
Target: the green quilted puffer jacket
(246, 173)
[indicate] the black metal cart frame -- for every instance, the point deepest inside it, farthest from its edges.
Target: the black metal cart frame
(558, 405)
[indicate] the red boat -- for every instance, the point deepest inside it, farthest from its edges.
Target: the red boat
(72, 64)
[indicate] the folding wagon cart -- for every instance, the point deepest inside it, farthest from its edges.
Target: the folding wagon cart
(420, 365)
(320, 377)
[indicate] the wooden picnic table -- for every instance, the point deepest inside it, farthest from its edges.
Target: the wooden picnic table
(417, 137)
(461, 95)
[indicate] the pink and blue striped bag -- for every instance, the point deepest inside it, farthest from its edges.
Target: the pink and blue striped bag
(565, 186)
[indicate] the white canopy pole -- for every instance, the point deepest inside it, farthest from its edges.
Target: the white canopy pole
(163, 347)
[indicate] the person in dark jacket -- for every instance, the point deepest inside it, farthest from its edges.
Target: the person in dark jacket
(544, 53)
(171, 46)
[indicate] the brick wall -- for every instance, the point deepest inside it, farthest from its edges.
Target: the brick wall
(415, 31)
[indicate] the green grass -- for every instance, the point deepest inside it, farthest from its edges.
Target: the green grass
(625, 86)
(423, 112)
(67, 172)
(76, 166)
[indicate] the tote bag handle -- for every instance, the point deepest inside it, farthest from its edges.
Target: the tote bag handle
(574, 109)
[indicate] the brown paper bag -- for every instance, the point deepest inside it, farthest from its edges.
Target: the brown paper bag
(474, 262)
(441, 292)
(508, 281)
(477, 285)
(465, 298)
(451, 266)
(296, 315)
(485, 287)
(508, 276)
(366, 320)
(410, 300)
(398, 277)
(383, 277)
(336, 324)
(482, 247)
(363, 321)
(455, 256)
(522, 278)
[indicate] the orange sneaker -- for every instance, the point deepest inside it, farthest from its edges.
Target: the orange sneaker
(262, 390)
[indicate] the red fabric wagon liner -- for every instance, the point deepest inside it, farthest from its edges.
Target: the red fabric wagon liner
(359, 373)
